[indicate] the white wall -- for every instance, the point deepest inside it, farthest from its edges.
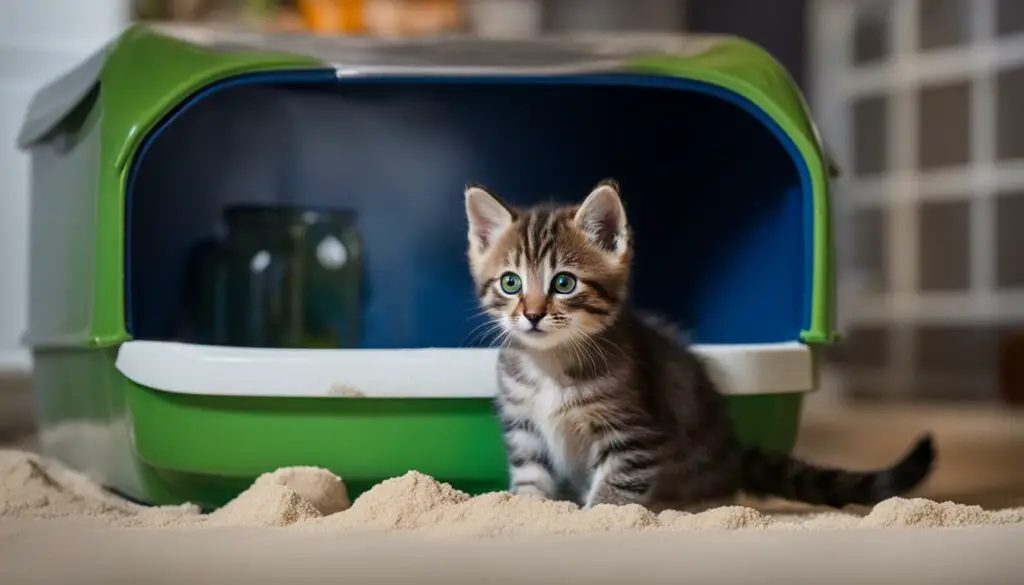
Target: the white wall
(39, 39)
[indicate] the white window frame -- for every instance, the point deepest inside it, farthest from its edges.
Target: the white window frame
(835, 85)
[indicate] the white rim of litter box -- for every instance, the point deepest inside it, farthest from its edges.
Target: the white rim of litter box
(183, 368)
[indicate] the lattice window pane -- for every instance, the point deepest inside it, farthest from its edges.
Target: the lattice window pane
(956, 362)
(944, 23)
(944, 125)
(871, 37)
(870, 237)
(1010, 114)
(944, 246)
(1009, 17)
(863, 346)
(1010, 240)
(870, 143)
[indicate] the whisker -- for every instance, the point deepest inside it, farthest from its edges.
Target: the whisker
(595, 351)
(504, 338)
(618, 349)
(470, 337)
(487, 330)
(577, 344)
(493, 335)
(576, 352)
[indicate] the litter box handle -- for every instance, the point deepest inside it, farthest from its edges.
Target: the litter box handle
(203, 291)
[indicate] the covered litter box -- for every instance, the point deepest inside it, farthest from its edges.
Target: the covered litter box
(138, 151)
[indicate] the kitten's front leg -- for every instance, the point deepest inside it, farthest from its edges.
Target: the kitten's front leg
(625, 466)
(530, 470)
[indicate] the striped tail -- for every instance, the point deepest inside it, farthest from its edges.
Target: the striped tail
(779, 475)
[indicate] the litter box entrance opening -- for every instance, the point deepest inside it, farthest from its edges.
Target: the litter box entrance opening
(712, 189)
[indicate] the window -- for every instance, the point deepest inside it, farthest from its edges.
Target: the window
(920, 101)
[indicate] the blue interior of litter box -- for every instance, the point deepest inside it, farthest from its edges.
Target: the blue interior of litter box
(717, 193)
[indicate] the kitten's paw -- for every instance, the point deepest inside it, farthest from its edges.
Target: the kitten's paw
(530, 490)
(607, 495)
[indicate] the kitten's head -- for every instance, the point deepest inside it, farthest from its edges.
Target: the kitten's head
(550, 275)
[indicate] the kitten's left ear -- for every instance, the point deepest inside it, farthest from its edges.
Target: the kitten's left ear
(603, 218)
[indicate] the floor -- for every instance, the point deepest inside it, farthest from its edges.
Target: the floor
(980, 449)
(269, 556)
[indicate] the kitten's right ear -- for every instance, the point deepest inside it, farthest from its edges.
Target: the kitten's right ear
(488, 217)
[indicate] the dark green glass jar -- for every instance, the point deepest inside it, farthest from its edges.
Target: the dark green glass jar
(284, 276)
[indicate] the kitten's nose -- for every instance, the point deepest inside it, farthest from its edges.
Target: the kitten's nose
(534, 318)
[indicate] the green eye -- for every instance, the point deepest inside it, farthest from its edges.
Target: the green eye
(511, 283)
(563, 283)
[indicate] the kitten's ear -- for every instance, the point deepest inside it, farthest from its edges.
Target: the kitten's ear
(488, 217)
(603, 218)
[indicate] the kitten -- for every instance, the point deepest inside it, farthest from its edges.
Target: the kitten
(606, 406)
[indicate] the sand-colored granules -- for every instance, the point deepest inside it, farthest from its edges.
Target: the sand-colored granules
(305, 498)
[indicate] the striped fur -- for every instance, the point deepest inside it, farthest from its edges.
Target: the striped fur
(602, 405)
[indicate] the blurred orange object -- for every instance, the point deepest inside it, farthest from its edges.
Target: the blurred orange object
(333, 16)
(287, 20)
(412, 17)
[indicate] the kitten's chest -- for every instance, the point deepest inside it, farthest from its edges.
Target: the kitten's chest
(563, 428)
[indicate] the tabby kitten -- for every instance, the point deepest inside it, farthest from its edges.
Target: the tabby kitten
(603, 405)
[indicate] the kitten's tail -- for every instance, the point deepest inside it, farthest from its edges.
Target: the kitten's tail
(769, 474)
